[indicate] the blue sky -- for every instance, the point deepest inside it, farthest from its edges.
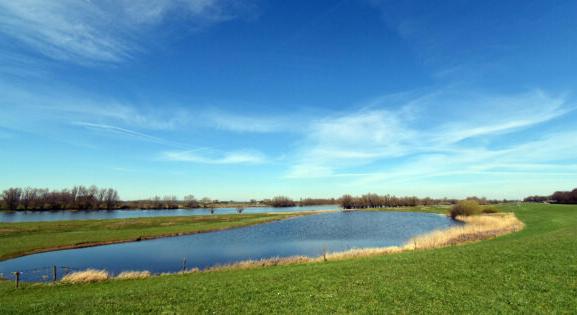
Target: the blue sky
(251, 99)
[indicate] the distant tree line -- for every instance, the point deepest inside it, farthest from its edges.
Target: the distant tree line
(564, 197)
(282, 201)
(78, 198)
(94, 198)
(388, 201)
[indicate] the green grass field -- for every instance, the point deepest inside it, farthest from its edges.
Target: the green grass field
(17, 239)
(532, 271)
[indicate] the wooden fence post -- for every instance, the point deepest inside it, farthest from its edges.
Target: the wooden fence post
(17, 274)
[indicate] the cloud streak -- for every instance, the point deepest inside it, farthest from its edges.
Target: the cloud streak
(198, 156)
(88, 32)
(413, 140)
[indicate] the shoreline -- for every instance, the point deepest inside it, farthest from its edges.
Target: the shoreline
(153, 209)
(152, 237)
(476, 228)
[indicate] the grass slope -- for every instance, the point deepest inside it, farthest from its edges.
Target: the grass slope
(17, 239)
(532, 271)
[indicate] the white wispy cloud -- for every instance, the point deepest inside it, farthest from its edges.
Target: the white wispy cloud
(122, 131)
(551, 155)
(204, 157)
(101, 31)
(35, 104)
(426, 132)
(246, 123)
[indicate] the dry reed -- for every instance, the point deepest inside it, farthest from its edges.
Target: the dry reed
(475, 228)
(265, 262)
(129, 275)
(89, 275)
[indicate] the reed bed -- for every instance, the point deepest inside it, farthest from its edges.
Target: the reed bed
(475, 228)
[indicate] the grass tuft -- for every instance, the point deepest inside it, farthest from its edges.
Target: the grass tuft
(89, 275)
(129, 275)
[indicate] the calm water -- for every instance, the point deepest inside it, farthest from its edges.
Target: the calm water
(31, 216)
(298, 236)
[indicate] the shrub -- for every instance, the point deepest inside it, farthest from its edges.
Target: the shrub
(465, 208)
(490, 209)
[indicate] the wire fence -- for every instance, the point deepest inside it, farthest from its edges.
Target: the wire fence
(55, 273)
(39, 274)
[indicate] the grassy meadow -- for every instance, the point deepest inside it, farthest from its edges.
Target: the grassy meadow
(17, 239)
(531, 271)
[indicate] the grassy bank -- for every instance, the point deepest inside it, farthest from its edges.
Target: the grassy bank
(17, 239)
(426, 209)
(531, 271)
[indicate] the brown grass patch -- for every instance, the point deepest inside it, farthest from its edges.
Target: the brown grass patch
(88, 275)
(129, 275)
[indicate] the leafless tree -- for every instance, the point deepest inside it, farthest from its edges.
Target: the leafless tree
(190, 202)
(11, 198)
(111, 198)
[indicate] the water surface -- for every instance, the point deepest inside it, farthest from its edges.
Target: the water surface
(307, 236)
(65, 215)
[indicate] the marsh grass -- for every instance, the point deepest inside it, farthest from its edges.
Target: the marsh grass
(475, 228)
(86, 276)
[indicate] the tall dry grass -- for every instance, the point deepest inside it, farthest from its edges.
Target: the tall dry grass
(89, 275)
(475, 228)
(265, 262)
(129, 275)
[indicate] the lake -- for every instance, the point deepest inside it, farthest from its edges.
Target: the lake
(65, 215)
(306, 236)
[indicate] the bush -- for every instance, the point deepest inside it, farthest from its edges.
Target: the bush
(465, 208)
(490, 209)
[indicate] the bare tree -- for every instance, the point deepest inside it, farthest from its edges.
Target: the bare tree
(11, 198)
(170, 202)
(347, 202)
(28, 196)
(111, 198)
(206, 202)
(190, 202)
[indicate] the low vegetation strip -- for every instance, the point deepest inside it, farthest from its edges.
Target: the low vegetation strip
(17, 239)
